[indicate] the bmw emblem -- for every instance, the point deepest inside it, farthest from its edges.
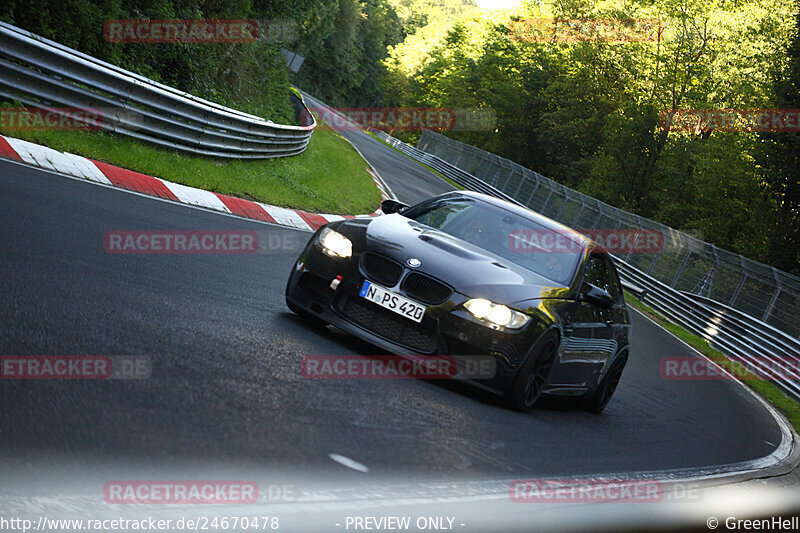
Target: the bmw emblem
(414, 262)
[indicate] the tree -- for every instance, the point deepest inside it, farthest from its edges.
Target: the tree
(779, 158)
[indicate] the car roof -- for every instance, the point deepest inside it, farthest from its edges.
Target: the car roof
(526, 213)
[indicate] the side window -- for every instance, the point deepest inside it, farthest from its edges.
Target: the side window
(613, 283)
(596, 271)
(600, 273)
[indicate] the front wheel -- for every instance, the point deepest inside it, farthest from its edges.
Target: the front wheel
(605, 390)
(529, 382)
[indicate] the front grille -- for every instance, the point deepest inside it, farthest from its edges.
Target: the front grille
(425, 289)
(387, 324)
(381, 270)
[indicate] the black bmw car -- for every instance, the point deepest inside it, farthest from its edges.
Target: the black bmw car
(465, 273)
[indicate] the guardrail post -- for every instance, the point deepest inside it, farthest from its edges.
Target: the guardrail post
(680, 269)
(521, 181)
(560, 209)
(580, 212)
(635, 239)
(504, 188)
(546, 200)
(738, 288)
(533, 192)
(655, 259)
(707, 282)
(771, 305)
(496, 177)
(599, 215)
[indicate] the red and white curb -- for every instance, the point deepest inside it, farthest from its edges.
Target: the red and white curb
(97, 171)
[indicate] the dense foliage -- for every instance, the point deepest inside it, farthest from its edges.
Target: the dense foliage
(587, 113)
(346, 42)
(250, 76)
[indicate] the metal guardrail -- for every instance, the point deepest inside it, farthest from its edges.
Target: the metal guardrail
(758, 346)
(38, 72)
(741, 337)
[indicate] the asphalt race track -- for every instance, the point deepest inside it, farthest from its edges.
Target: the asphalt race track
(410, 182)
(225, 386)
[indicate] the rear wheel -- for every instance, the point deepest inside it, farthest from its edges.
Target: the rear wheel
(527, 386)
(605, 390)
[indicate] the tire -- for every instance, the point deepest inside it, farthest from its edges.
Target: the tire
(605, 390)
(527, 385)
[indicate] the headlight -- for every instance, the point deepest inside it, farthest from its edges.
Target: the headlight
(335, 244)
(496, 313)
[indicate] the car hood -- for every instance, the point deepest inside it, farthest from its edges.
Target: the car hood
(469, 269)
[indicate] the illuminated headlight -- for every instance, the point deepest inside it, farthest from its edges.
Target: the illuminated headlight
(496, 313)
(335, 244)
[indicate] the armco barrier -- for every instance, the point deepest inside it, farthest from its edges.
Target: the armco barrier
(41, 73)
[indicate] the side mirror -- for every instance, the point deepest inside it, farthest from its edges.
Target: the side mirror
(392, 206)
(596, 296)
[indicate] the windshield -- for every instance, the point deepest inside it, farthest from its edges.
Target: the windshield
(550, 253)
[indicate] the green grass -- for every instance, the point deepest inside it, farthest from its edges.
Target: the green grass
(431, 169)
(766, 389)
(330, 176)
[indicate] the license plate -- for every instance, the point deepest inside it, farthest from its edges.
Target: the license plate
(392, 301)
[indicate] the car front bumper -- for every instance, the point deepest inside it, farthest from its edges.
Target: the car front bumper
(446, 329)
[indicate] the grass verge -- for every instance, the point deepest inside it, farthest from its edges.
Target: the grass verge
(330, 176)
(766, 389)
